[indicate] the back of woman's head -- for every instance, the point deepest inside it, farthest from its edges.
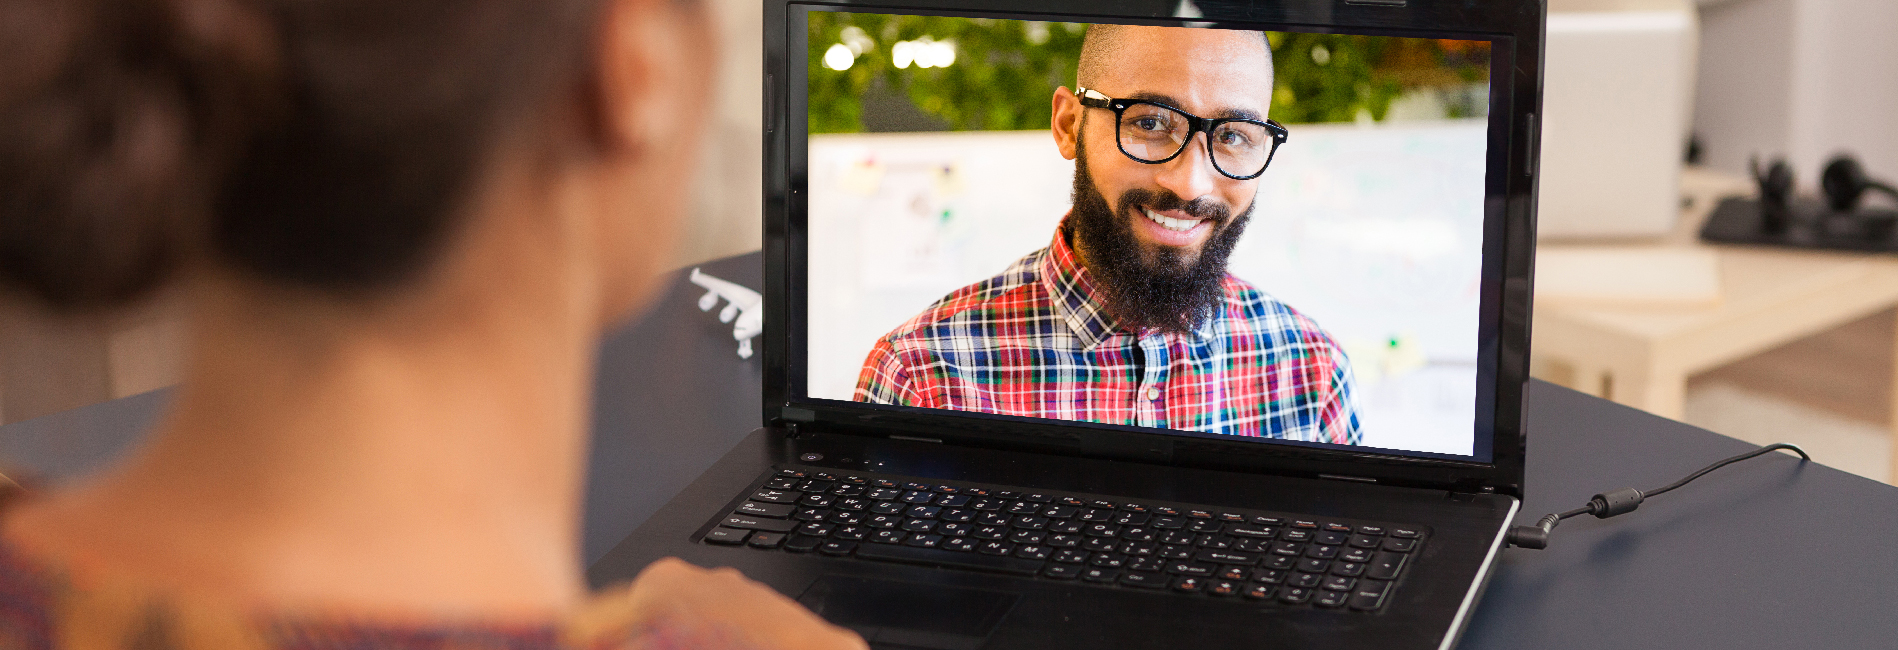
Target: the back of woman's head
(324, 144)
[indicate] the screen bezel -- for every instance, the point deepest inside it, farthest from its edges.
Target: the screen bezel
(1515, 29)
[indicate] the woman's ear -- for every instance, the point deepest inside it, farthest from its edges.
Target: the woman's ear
(652, 54)
(1066, 123)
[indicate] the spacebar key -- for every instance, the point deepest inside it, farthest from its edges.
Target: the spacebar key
(937, 557)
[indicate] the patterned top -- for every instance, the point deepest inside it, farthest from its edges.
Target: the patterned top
(1035, 342)
(41, 608)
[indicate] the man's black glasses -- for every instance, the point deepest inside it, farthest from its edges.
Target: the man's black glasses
(1153, 133)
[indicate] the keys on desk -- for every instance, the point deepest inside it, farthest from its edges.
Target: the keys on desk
(1183, 550)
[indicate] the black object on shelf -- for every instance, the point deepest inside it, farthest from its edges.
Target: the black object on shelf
(1801, 223)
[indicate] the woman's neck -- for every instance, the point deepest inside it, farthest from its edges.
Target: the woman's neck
(422, 458)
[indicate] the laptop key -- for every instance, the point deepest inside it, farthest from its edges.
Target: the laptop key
(849, 533)
(1222, 588)
(766, 540)
(1363, 541)
(994, 547)
(1365, 601)
(775, 496)
(1313, 565)
(1061, 571)
(1070, 556)
(960, 544)
(1331, 599)
(1147, 564)
(1280, 562)
(781, 483)
(1340, 583)
(802, 543)
(1306, 580)
(1027, 536)
(1268, 576)
(1228, 557)
(1142, 549)
(1032, 552)
(1188, 583)
(1330, 538)
(837, 547)
(1098, 574)
(812, 514)
(1254, 532)
(940, 557)
(887, 508)
(1405, 533)
(1399, 545)
(816, 530)
(1234, 573)
(1176, 552)
(1259, 592)
(727, 536)
(925, 540)
(1358, 555)
(1107, 560)
(1352, 569)
(1143, 579)
(756, 509)
(1190, 569)
(1294, 595)
(1385, 566)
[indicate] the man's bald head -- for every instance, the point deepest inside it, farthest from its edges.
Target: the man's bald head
(1108, 46)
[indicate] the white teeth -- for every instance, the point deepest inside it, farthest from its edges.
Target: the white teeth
(1170, 223)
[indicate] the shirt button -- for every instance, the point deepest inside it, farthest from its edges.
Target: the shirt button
(1153, 393)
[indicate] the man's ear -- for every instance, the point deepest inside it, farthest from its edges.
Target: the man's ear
(1066, 124)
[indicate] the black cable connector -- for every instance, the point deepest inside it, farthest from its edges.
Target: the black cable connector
(1624, 500)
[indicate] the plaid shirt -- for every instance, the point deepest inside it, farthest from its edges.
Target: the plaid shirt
(1035, 342)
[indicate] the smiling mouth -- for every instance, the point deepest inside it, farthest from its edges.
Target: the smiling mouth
(1169, 223)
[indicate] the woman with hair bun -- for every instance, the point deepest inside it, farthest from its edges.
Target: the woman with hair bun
(400, 229)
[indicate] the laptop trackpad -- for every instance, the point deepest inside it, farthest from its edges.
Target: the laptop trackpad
(907, 614)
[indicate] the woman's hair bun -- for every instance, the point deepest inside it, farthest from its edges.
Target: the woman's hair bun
(118, 121)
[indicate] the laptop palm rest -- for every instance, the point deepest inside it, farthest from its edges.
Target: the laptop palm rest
(891, 614)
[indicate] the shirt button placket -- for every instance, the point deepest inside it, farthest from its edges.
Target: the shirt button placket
(1147, 401)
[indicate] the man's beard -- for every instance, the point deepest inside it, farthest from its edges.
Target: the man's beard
(1144, 288)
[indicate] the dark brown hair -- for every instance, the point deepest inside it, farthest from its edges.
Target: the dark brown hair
(326, 144)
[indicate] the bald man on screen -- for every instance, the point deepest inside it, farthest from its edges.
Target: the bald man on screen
(1129, 316)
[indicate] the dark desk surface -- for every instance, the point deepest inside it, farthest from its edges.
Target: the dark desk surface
(1767, 554)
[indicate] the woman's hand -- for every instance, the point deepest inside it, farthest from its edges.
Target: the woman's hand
(676, 604)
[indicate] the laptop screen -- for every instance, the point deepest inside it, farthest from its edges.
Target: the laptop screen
(1271, 236)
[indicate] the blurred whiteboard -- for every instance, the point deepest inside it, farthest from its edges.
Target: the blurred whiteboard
(1373, 231)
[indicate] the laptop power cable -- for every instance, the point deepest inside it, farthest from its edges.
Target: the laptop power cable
(1624, 500)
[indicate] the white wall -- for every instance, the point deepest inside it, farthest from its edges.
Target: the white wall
(727, 211)
(1804, 79)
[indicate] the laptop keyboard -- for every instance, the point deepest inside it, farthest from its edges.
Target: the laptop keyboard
(1163, 547)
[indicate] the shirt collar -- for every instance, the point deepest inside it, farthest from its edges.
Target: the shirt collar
(1071, 289)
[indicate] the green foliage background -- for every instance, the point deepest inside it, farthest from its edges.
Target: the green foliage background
(1006, 71)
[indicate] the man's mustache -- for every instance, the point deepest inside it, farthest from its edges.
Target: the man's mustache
(1157, 200)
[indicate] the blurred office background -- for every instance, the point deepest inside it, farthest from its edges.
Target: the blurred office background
(1629, 81)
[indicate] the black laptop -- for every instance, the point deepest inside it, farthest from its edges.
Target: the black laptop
(1234, 353)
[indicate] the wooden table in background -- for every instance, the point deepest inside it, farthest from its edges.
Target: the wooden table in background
(1642, 356)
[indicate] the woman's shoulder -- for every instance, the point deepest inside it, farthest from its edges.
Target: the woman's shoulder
(42, 608)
